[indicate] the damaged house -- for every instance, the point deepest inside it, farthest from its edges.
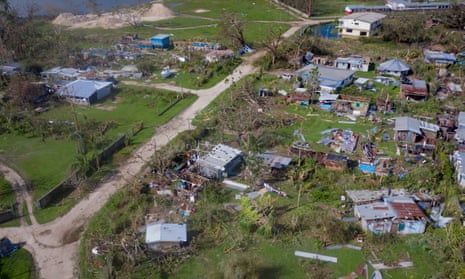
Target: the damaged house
(274, 161)
(340, 140)
(439, 58)
(388, 211)
(415, 132)
(414, 89)
(409, 219)
(220, 162)
(355, 106)
(353, 62)
(376, 217)
(328, 101)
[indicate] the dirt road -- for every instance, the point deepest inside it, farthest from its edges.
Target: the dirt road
(55, 245)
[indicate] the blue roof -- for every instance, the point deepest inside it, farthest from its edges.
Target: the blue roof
(82, 88)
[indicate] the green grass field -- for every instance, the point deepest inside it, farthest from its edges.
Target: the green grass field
(250, 10)
(322, 8)
(7, 196)
(47, 162)
(20, 265)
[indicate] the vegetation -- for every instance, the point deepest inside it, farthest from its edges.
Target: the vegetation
(19, 265)
(7, 194)
(257, 241)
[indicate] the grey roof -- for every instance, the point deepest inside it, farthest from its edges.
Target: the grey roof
(459, 161)
(363, 196)
(374, 211)
(275, 161)
(368, 17)
(460, 134)
(461, 118)
(10, 67)
(394, 65)
(405, 123)
(327, 72)
(328, 97)
(63, 72)
(220, 156)
(327, 76)
(418, 83)
(157, 232)
(82, 88)
(439, 57)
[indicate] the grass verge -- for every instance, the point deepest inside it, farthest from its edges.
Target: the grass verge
(19, 265)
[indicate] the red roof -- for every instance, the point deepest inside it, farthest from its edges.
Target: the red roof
(406, 210)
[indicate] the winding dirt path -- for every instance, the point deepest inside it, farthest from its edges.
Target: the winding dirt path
(55, 245)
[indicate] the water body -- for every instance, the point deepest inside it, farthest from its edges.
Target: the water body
(74, 6)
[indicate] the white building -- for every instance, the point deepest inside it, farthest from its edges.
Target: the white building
(360, 24)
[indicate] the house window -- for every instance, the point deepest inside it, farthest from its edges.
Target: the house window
(363, 33)
(349, 30)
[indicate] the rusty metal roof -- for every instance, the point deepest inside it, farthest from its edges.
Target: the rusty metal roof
(407, 210)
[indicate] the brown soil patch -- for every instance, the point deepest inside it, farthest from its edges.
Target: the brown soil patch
(46, 232)
(73, 235)
(111, 20)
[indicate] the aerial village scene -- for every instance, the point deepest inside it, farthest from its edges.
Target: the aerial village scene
(232, 139)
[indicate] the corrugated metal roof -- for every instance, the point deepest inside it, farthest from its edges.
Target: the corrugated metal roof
(328, 97)
(82, 88)
(157, 232)
(368, 17)
(394, 65)
(275, 161)
(374, 211)
(407, 210)
(220, 156)
(439, 56)
(405, 123)
(461, 118)
(327, 76)
(360, 196)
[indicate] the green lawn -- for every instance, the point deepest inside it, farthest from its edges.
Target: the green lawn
(47, 162)
(250, 10)
(277, 258)
(336, 7)
(20, 265)
(7, 196)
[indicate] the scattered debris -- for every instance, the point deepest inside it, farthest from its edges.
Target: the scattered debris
(315, 256)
